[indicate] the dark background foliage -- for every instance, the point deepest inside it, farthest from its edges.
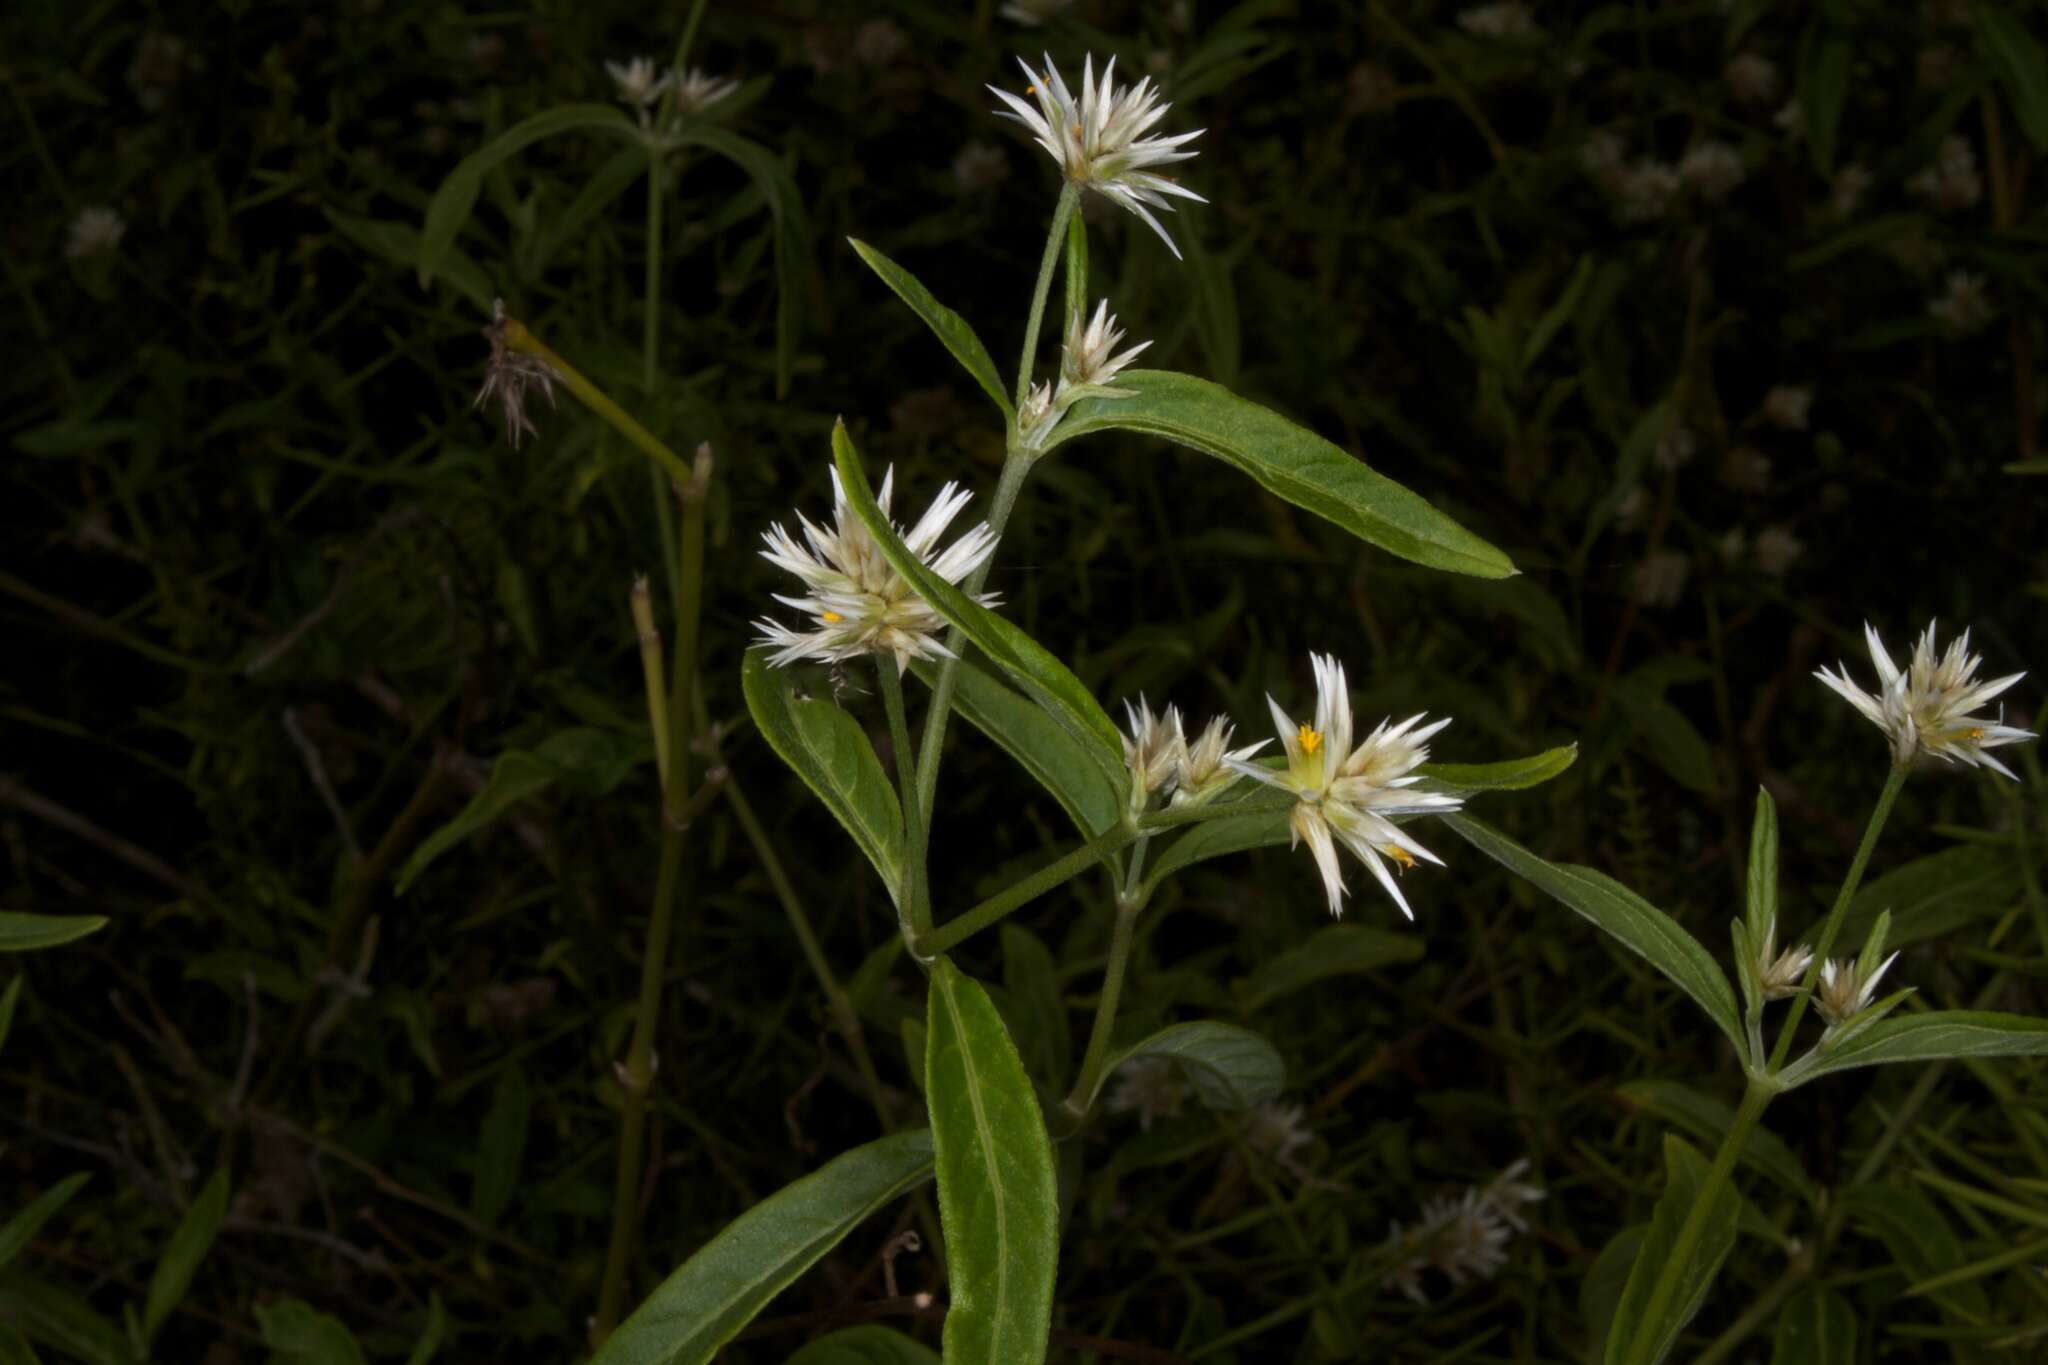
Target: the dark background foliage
(275, 599)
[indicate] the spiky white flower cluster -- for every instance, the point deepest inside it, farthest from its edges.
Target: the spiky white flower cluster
(1845, 988)
(1465, 1236)
(857, 602)
(641, 85)
(1348, 794)
(1089, 360)
(1097, 140)
(1951, 183)
(1962, 307)
(1925, 707)
(1160, 759)
(96, 231)
(1149, 1087)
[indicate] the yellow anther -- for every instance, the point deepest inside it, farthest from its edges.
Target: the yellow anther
(1974, 733)
(831, 618)
(1400, 855)
(1308, 739)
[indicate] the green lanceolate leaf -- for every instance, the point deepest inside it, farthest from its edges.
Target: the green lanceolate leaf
(1817, 1326)
(2017, 60)
(23, 933)
(1622, 914)
(589, 762)
(868, 1345)
(182, 1258)
(1929, 1037)
(786, 207)
(1334, 950)
(1824, 90)
(1026, 663)
(1264, 826)
(1290, 462)
(1600, 1291)
(501, 1148)
(399, 243)
(302, 1335)
(1074, 275)
(1707, 1120)
(948, 326)
(1643, 1332)
(8, 999)
(718, 1291)
(997, 1198)
(24, 1225)
(830, 752)
(452, 203)
(53, 1316)
(1763, 869)
(14, 1348)
(1511, 775)
(1228, 1067)
(1922, 1243)
(1062, 765)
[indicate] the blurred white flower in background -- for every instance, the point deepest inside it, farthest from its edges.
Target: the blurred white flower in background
(1951, 183)
(1712, 168)
(1752, 79)
(1149, 1087)
(1962, 307)
(1845, 192)
(1660, 579)
(1777, 548)
(1786, 406)
(1464, 1237)
(95, 231)
(1504, 19)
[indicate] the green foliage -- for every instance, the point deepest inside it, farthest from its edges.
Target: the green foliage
(1646, 1322)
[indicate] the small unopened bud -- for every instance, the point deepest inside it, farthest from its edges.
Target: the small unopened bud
(700, 475)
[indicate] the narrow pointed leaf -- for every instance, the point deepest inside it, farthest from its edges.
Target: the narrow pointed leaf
(997, 1196)
(1229, 1068)
(25, 933)
(1817, 1326)
(1923, 1244)
(302, 1335)
(1824, 91)
(1763, 868)
(54, 1316)
(1334, 950)
(1643, 1333)
(20, 1229)
(1510, 775)
(1264, 826)
(1623, 915)
(1027, 664)
(187, 1250)
(718, 1291)
(1074, 275)
(14, 1348)
(830, 752)
(949, 327)
(1290, 462)
(1062, 765)
(1933, 1036)
(1706, 1119)
(8, 999)
(501, 1147)
(2018, 62)
(455, 199)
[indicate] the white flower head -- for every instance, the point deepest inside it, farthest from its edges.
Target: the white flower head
(1086, 361)
(1097, 139)
(96, 230)
(1346, 793)
(1675, 448)
(1153, 750)
(1032, 13)
(1846, 192)
(1644, 190)
(1925, 707)
(1962, 307)
(1746, 469)
(640, 83)
(1786, 406)
(857, 602)
(1660, 579)
(1037, 415)
(1278, 1131)
(1714, 168)
(1503, 19)
(1752, 79)
(1780, 973)
(1845, 988)
(1463, 1236)
(1149, 1087)
(1952, 182)
(697, 90)
(1208, 765)
(1777, 548)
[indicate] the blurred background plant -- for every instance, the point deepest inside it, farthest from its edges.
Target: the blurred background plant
(1720, 319)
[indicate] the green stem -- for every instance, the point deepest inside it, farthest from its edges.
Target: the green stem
(1833, 924)
(689, 35)
(1070, 197)
(918, 893)
(971, 922)
(1676, 1267)
(1083, 1093)
(650, 361)
(941, 705)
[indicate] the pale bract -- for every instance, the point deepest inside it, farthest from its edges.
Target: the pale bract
(640, 82)
(697, 90)
(1845, 988)
(1925, 707)
(1349, 794)
(1153, 748)
(1098, 140)
(1207, 765)
(857, 603)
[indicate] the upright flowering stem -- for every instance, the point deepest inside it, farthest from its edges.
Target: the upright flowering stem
(918, 893)
(597, 400)
(1016, 464)
(1128, 907)
(1833, 924)
(1674, 1270)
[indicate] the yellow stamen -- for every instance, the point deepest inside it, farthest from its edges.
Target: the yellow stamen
(831, 618)
(1400, 855)
(1974, 733)
(1308, 739)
